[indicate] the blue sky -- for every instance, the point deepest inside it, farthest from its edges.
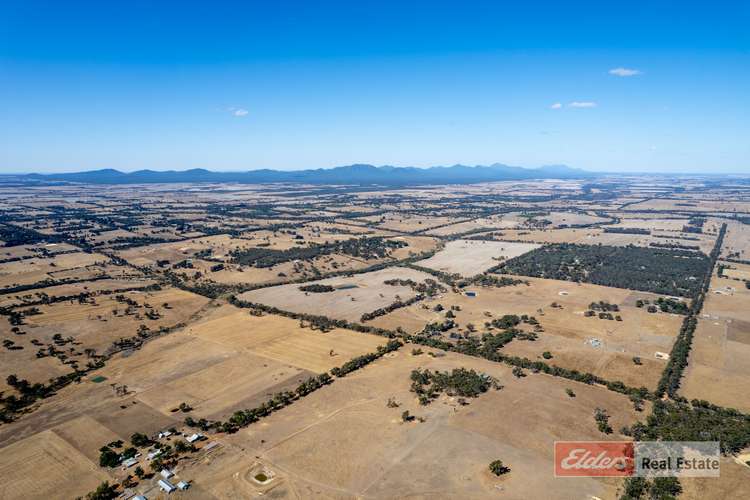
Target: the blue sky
(290, 85)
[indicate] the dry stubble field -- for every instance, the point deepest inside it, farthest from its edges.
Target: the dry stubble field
(470, 257)
(719, 368)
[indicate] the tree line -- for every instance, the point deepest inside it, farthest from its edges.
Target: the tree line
(678, 358)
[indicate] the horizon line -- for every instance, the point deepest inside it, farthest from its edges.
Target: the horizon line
(307, 169)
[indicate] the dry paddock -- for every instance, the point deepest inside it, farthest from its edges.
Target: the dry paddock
(354, 295)
(225, 361)
(92, 326)
(343, 441)
(719, 364)
(471, 257)
(567, 333)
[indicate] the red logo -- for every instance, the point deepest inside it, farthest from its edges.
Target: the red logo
(594, 458)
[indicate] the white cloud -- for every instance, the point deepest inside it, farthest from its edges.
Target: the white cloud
(582, 104)
(239, 112)
(557, 105)
(624, 72)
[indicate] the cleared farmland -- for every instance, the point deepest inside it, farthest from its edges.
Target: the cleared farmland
(352, 295)
(468, 257)
(603, 347)
(719, 368)
(447, 454)
(120, 319)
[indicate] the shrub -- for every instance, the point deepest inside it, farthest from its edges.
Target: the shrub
(498, 468)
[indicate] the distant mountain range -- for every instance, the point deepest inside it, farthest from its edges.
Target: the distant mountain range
(351, 174)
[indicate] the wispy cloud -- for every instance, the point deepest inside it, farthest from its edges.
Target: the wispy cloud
(557, 105)
(240, 112)
(582, 104)
(624, 72)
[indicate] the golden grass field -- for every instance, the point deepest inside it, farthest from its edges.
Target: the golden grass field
(74, 289)
(41, 467)
(445, 456)
(566, 330)
(33, 270)
(719, 367)
(94, 326)
(737, 241)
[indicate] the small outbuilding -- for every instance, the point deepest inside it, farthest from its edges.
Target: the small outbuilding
(166, 486)
(195, 437)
